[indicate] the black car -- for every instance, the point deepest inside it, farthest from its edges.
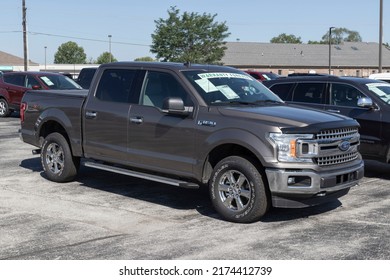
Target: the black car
(85, 77)
(366, 100)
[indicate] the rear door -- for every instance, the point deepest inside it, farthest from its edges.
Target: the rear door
(310, 94)
(106, 115)
(15, 85)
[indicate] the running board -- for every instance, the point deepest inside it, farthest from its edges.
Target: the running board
(146, 176)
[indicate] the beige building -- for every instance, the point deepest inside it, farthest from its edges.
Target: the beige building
(348, 59)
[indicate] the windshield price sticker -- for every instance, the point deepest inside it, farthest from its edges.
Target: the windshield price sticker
(223, 75)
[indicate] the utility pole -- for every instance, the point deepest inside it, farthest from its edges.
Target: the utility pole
(25, 48)
(330, 49)
(380, 34)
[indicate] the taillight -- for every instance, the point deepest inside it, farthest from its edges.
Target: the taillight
(23, 107)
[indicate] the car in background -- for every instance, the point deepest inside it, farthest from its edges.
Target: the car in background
(13, 85)
(85, 77)
(381, 76)
(366, 100)
(262, 76)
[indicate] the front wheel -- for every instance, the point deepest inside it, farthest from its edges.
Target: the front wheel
(237, 190)
(57, 159)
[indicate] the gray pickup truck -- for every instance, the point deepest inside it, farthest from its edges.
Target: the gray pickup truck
(196, 125)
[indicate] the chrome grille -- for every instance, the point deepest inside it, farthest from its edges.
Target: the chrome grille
(329, 141)
(337, 134)
(337, 159)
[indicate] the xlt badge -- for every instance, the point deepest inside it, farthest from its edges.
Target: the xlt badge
(207, 123)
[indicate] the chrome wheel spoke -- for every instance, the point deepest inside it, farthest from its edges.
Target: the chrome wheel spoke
(228, 201)
(246, 193)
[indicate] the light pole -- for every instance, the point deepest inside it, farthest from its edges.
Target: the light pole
(45, 57)
(380, 34)
(330, 49)
(109, 46)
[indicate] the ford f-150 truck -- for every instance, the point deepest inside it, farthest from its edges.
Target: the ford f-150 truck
(196, 125)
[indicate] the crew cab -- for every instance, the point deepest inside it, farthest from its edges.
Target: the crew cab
(196, 125)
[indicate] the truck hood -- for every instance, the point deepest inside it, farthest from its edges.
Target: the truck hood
(289, 116)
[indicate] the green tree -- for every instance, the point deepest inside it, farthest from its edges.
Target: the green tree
(144, 58)
(70, 53)
(189, 38)
(288, 39)
(105, 58)
(340, 35)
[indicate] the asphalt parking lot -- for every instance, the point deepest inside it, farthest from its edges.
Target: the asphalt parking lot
(113, 217)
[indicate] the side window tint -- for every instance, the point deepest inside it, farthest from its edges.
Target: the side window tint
(282, 90)
(158, 86)
(344, 95)
(309, 92)
(115, 85)
(17, 80)
(31, 81)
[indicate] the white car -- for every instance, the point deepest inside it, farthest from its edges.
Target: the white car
(381, 76)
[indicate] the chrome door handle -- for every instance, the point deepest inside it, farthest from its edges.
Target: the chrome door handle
(136, 120)
(90, 115)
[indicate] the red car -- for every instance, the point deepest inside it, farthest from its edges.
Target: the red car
(262, 76)
(13, 85)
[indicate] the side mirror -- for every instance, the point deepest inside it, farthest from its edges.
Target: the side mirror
(36, 87)
(365, 102)
(175, 106)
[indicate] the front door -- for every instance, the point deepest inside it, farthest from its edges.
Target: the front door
(157, 140)
(343, 100)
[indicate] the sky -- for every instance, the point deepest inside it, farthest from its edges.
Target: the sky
(130, 23)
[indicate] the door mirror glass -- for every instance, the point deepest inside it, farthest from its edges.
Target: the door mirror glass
(365, 102)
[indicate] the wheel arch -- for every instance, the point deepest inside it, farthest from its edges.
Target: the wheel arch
(228, 142)
(57, 121)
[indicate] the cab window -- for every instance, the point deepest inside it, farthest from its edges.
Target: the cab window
(344, 95)
(158, 86)
(115, 85)
(17, 80)
(283, 90)
(309, 92)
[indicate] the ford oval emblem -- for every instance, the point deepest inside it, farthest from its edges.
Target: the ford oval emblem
(344, 146)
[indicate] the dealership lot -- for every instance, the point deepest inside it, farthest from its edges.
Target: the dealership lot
(110, 216)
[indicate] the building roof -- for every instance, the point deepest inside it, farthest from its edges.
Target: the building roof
(7, 59)
(348, 54)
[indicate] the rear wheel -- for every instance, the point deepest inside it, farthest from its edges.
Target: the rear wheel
(237, 190)
(4, 108)
(57, 160)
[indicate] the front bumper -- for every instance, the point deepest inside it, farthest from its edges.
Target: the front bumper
(296, 188)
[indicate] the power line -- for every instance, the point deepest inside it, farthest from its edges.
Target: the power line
(73, 37)
(85, 39)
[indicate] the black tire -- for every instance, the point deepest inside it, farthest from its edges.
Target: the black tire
(237, 190)
(57, 160)
(4, 108)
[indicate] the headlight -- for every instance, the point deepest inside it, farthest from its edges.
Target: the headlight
(294, 147)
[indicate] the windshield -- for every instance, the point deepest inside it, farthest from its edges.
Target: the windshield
(218, 88)
(59, 82)
(382, 90)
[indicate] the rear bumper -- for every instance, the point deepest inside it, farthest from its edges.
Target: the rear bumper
(301, 188)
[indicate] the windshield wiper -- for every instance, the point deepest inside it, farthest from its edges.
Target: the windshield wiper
(234, 102)
(269, 101)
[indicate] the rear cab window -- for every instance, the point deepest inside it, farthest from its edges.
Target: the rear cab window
(309, 93)
(283, 90)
